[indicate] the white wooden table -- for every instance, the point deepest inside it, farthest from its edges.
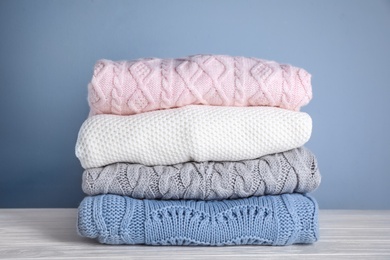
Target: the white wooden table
(51, 234)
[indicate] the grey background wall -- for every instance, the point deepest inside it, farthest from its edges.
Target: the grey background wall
(48, 50)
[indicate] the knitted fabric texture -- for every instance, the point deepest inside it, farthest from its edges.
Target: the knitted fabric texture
(270, 220)
(190, 133)
(131, 87)
(293, 171)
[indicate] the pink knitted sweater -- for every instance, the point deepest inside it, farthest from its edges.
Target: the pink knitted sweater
(131, 87)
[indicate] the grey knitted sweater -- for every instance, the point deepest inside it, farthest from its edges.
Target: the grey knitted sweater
(293, 171)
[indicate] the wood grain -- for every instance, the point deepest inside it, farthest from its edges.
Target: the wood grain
(51, 234)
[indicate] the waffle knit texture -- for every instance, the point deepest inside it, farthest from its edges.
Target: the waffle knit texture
(269, 220)
(191, 133)
(293, 171)
(131, 87)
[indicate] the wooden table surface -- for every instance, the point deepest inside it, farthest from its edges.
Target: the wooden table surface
(51, 234)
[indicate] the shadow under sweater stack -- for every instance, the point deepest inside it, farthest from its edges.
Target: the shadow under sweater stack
(202, 150)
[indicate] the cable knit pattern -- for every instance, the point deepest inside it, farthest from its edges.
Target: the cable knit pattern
(191, 133)
(131, 87)
(269, 220)
(293, 171)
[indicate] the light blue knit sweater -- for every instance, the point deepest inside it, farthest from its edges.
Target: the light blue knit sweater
(268, 220)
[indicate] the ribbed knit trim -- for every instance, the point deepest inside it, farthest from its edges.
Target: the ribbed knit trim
(316, 229)
(138, 222)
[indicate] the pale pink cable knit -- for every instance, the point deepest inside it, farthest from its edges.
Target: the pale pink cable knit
(131, 87)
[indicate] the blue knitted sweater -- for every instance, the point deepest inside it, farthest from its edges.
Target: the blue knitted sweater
(268, 220)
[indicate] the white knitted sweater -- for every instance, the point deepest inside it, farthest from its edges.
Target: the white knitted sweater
(191, 133)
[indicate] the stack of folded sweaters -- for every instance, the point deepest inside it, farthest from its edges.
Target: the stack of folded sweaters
(202, 150)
